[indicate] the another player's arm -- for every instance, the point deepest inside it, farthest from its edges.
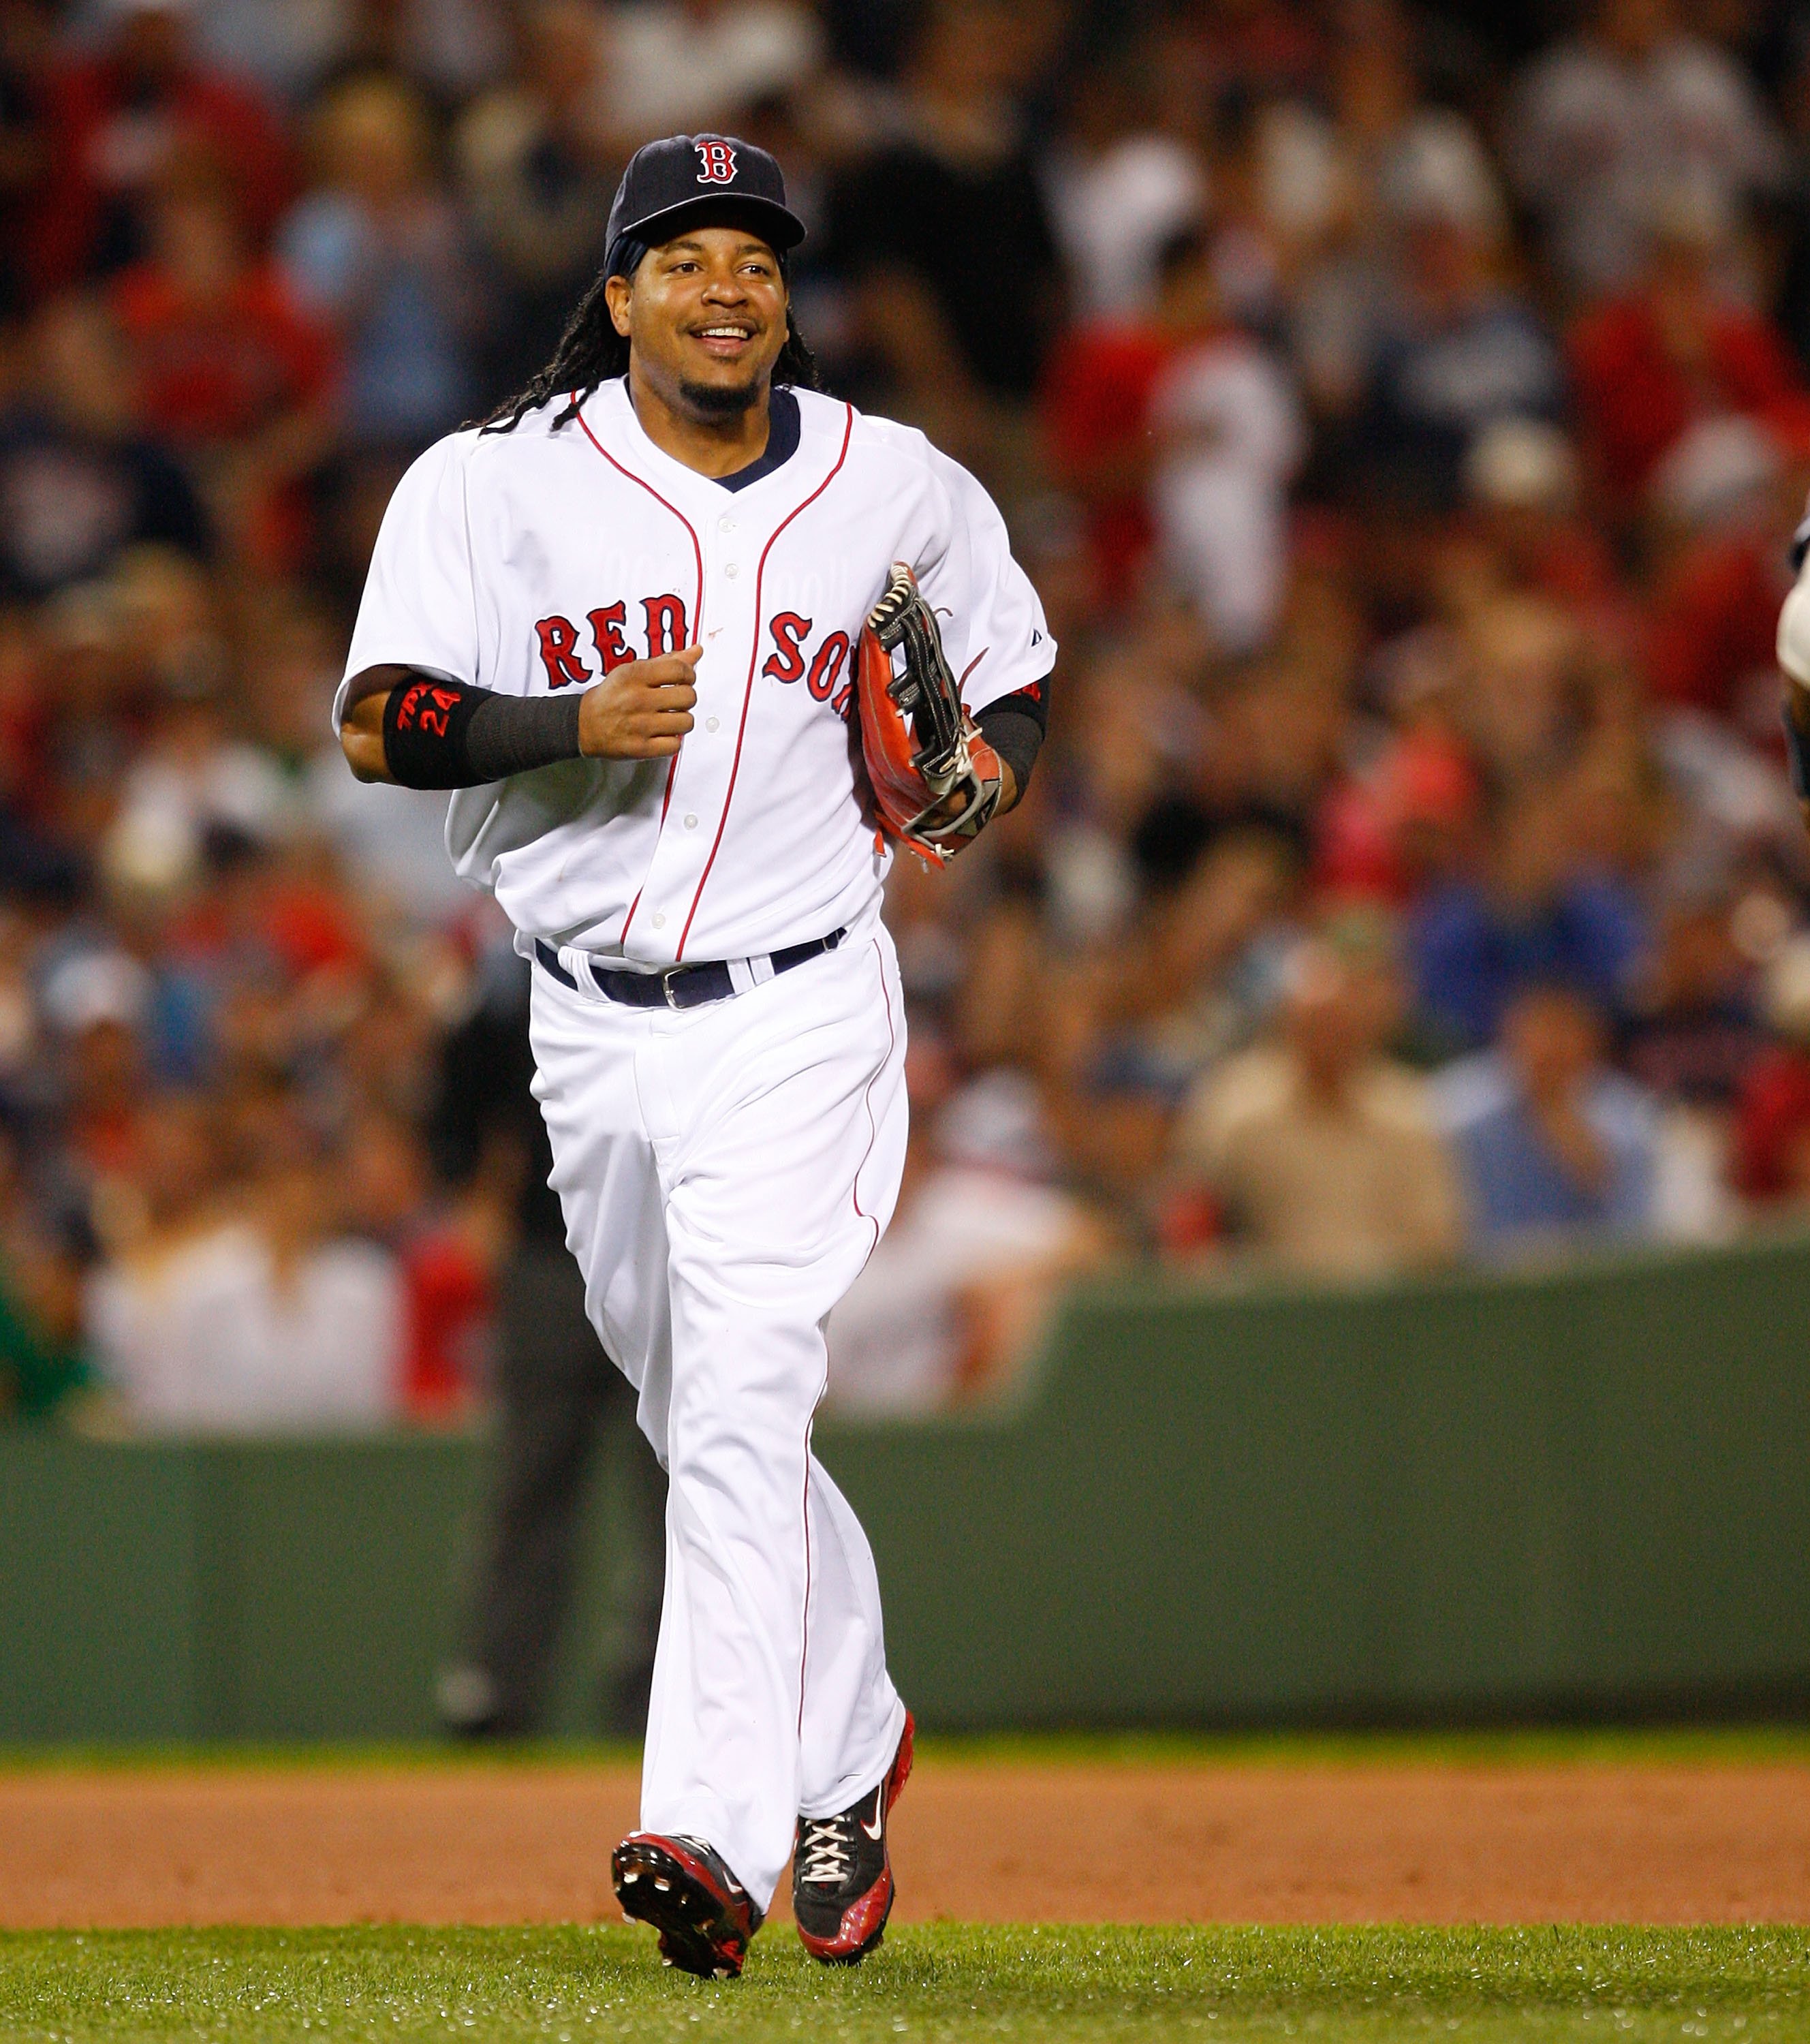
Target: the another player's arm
(1794, 659)
(1797, 743)
(421, 732)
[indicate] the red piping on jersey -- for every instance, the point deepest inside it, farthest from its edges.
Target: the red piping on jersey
(753, 655)
(867, 1101)
(874, 1223)
(805, 1611)
(697, 628)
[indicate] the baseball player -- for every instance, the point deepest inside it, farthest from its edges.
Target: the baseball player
(1794, 658)
(647, 623)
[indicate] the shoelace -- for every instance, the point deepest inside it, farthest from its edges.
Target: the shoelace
(825, 1851)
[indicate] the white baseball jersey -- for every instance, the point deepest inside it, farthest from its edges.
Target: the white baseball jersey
(1794, 620)
(534, 561)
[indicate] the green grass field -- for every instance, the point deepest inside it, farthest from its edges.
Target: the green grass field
(573, 1984)
(1785, 1743)
(570, 1985)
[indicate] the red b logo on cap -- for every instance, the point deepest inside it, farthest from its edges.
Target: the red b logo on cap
(719, 162)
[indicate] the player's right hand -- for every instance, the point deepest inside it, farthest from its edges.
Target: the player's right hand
(642, 709)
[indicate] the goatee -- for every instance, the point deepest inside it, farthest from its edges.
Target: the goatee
(720, 401)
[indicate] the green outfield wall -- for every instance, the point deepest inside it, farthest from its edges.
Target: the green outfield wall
(1466, 1498)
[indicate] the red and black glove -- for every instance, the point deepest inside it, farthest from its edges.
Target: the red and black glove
(935, 780)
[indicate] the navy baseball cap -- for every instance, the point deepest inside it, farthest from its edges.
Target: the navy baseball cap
(693, 180)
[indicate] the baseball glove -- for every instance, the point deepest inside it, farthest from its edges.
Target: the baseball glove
(935, 780)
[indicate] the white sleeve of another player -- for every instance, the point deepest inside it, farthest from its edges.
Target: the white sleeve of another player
(994, 632)
(1794, 634)
(420, 606)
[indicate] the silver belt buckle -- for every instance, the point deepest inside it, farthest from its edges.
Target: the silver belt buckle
(665, 985)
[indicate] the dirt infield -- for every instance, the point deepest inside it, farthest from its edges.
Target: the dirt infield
(1074, 1841)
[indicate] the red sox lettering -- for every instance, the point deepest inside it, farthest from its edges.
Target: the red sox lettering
(788, 662)
(612, 649)
(664, 631)
(794, 658)
(826, 668)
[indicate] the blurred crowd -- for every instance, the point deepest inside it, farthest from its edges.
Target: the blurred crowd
(1404, 413)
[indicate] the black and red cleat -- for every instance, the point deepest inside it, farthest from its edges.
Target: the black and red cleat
(683, 1888)
(842, 1876)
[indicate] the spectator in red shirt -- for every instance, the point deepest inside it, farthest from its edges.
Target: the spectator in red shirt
(445, 1258)
(1403, 818)
(1713, 616)
(265, 921)
(1096, 409)
(1255, 49)
(1770, 1163)
(1772, 1132)
(34, 177)
(121, 114)
(1673, 351)
(227, 368)
(1104, 443)
(1521, 483)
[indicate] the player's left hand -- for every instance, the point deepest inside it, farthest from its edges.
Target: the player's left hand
(947, 811)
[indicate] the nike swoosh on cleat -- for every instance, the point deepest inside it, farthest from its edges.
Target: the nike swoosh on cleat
(874, 1829)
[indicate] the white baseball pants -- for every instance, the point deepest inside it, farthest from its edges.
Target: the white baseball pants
(724, 1173)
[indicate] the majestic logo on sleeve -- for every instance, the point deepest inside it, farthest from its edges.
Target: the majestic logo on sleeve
(718, 160)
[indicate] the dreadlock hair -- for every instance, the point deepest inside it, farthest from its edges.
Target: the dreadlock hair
(591, 352)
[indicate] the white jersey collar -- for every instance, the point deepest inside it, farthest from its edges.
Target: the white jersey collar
(613, 421)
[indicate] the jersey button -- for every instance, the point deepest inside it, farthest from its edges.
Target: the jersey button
(732, 570)
(691, 823)
(725, 524)
(710, 724)
(659, 922)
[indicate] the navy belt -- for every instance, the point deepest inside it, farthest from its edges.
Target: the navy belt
(678, 986)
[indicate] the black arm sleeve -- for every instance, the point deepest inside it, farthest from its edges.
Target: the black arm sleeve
(1014, 728)
(450, 735)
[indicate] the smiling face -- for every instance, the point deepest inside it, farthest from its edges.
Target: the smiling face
(705, 315)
